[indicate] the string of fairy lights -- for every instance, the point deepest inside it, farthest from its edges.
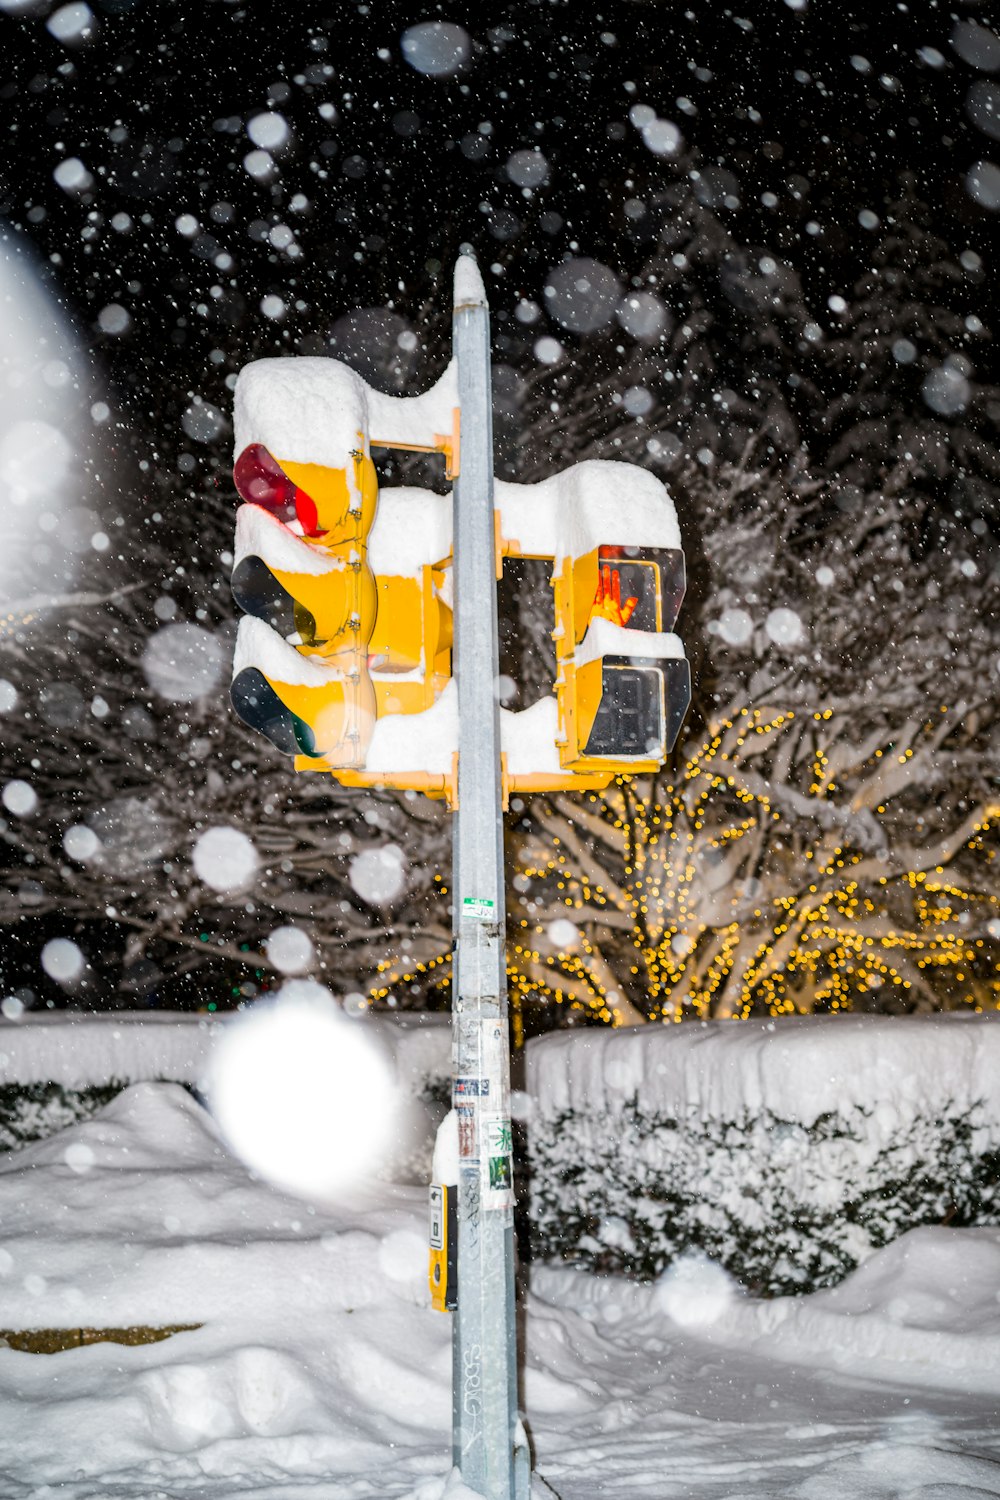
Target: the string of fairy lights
(799, 922)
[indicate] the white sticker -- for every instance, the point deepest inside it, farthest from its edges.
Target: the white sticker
(478, 908)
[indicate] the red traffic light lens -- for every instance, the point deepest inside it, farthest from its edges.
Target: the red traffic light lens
(305, 510)
(261, 481)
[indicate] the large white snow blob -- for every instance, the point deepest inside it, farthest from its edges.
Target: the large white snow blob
(977, 45)
(643, 315)
(694, 1290)
(72, 24)
(301, 1093)
(225, 859)
(20, 798)
(982, 182)
(184, 662)
(982, 105)
(114, 319)
(582, 294)
(528, 169)
(946, 389)
(290, 950)
(661, 137)
(63, 960)
(72, 176)
(564, 934)
(202, 421)
(378, 875)
(784, 627)
(81, 842)
(735, 626)
(269, 130)
(437, 48)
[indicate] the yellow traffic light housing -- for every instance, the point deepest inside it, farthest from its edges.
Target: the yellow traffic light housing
(353, 582)
(301, 674)
(623, 683)
(323, 707)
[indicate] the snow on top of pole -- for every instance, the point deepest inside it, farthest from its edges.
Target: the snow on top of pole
(310, 410)
(604, 638)
(257, 645)
(469, 288)
(600, 502)
(412, 528)
(259, 534)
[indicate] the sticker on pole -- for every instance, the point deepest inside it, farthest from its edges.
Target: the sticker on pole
(468, 1145)
(478, 908)
(497, 1162)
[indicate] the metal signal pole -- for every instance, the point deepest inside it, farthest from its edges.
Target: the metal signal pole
(488, 1441)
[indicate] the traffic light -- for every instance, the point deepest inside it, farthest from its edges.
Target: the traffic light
(347, 590)
(623, 684)
(301, 672)
(344, 661)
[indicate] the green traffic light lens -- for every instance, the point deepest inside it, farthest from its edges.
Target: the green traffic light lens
(259, 706)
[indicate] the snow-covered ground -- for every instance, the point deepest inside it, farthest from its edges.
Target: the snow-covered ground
(320, 1370)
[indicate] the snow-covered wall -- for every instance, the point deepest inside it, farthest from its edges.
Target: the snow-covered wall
(85, 1049)
(799, 1067)
(788, 1150)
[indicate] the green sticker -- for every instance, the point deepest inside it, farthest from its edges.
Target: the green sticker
(478, 908)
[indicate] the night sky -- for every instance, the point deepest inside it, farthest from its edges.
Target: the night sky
(182, 254)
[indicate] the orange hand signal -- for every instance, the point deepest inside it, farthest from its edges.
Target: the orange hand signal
(608, 600)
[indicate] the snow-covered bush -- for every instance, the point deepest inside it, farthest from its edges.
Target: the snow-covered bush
(786, 1151)
(32, 1111)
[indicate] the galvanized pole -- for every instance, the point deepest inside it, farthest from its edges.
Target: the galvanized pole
(488, 1441)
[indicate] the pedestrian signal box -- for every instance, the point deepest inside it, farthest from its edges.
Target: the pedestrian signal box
(623, 683)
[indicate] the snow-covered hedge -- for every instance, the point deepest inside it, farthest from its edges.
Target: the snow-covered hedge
(57, 1067)
(787, 1150)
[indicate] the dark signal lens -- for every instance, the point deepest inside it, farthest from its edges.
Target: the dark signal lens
(629, 722)
(261, 481)
(258, 705)
(258, 592)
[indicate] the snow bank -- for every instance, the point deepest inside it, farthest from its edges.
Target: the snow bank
(320, 1368)
(923, 1310)
(319, 1356)
(94, 1278)
(58, 1067)
(81, 1049)
(786, 1150)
